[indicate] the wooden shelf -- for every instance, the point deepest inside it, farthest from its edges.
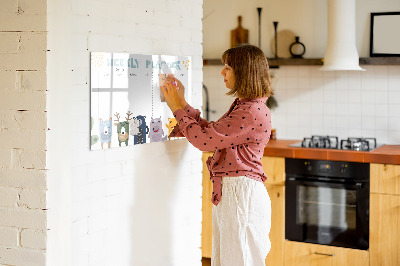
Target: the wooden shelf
(273, 63)
(295, 62)
(380, 61)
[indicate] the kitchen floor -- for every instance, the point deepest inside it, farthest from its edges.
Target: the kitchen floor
(206, 261)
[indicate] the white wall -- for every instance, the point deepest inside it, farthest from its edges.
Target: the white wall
(23, 133)
(136, 205)
(306, 19)
(311, 102)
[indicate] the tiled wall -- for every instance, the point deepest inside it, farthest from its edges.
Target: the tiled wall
(313, 102)
(343, 103)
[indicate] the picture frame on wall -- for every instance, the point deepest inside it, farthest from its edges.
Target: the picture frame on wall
(384, 37)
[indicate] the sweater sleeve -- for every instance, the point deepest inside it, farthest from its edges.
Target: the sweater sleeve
(229, 131)
(193, 113)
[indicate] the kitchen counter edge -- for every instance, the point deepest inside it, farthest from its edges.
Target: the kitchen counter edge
(386, 154)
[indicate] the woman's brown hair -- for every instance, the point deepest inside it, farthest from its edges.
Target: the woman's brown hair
(250, 66)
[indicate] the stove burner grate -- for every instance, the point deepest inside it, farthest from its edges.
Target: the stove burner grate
(358, 144)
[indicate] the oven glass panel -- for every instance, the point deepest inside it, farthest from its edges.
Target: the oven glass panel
(326, 207)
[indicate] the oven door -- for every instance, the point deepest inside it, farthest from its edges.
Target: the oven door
(327, 213)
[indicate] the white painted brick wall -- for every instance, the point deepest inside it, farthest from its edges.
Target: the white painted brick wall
(34, 239)
(9, 237)
(8, 197)
(137, 205)
(23, 125)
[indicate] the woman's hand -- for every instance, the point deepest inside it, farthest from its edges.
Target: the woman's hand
(181, 90)
(171, 95)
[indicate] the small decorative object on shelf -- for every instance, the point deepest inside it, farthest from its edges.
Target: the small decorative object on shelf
(297, 49)
(273, 134)
(276, 38)
(271, 102)
(259, 9)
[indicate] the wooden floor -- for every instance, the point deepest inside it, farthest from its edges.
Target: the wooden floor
(206, 261)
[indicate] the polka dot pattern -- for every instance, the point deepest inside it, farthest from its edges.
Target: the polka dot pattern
(238, 139)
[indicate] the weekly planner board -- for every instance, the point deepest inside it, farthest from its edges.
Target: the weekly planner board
(127, 106)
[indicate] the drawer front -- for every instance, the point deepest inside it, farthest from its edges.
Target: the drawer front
(297, 253)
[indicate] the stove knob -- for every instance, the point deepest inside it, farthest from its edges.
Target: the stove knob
(308, 166)
(343, 168)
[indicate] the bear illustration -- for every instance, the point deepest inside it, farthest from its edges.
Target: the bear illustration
(140, 138)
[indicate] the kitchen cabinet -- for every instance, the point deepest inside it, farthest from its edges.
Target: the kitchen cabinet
(274, 168)
(277, 233)
(385, 178)
(384, 221)
(385, 215)
(305, 254)
(206, 225)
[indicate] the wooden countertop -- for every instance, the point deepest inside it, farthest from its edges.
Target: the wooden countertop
(389, 154)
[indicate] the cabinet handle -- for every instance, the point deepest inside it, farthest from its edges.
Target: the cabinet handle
(324, 254)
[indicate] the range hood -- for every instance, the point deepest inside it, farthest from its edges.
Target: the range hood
(341, 51)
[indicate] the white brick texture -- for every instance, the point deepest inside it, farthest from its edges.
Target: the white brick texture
(8, 197)
(9, 237)
(33, 239)
(122, 203)
(23, 125)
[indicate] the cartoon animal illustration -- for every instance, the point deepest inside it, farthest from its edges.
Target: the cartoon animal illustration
(134, 126)
(93, 138)
(140, 138)
(105, 131)
(123, 128)
(156, 131)
(170, 125)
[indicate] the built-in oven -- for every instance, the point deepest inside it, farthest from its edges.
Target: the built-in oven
(327, 202)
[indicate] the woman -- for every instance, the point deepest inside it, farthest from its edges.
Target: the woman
(242, 208)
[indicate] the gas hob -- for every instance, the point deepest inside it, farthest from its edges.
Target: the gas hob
(332, 142)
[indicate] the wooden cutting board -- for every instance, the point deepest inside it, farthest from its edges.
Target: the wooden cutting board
(239, 35)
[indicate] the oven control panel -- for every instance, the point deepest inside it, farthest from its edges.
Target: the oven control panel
(337, 169)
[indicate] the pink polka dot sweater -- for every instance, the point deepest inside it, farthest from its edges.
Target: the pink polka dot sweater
(238, 139)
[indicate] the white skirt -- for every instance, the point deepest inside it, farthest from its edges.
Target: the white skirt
(241, 223)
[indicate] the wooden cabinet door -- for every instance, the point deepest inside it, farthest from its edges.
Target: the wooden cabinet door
(385, 178)
(384, 237)
(206, 226)
(274, 168)
(304, 254)
(277, 233)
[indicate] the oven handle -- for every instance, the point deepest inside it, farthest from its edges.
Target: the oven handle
(357, 185)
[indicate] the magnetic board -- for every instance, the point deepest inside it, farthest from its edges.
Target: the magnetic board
(127, 106)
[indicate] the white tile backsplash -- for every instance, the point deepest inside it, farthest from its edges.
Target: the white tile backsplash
(394, 97)
(394, 110)
(394, 82)
(381, 84)
(342, 103)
